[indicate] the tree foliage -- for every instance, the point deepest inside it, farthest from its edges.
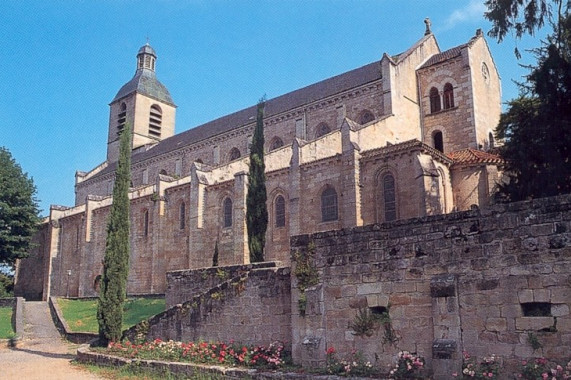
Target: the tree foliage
(113, 286)
(537, 125)
(19, 212)
(524, 16)
(257, 212)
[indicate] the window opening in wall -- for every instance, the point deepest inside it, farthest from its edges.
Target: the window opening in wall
(536, 309)
(378, 310)
(366, 117)
(322, 129)
(146, 223)
(448, 96)
(389, 198)
(280, 211)
(438, 141)
(276, 143)
(155, 121)
(329, 205)
(182, 216)
(491, 140)
(121, 117)
(434, 100)
(145, 177)
(227, 212)
(234, 154)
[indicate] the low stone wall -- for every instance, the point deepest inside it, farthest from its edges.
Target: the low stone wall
(251, 305)
(184, 285)
(488, 282)
(84, 355)
(62, 326)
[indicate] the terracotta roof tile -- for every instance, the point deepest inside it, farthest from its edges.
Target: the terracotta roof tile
(473, 156)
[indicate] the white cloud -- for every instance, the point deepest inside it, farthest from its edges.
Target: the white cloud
(471, 12)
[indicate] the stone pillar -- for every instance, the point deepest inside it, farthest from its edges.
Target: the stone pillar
(350, 197)
(446, 346)
(241, 251)
(294, 190)
(198, 183)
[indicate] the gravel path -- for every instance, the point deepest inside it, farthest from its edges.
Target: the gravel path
(41, 353)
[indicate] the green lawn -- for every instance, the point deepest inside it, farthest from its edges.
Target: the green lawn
(81, 315)
(6, 331)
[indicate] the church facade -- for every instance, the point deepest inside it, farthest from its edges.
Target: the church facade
(408, 136)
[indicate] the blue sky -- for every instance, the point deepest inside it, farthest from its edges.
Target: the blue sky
(63, 62)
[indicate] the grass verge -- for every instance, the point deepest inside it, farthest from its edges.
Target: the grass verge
(133, 371)
(6, 331)
(81, 315)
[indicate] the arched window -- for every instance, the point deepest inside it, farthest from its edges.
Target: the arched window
(234, 154)
(163, 172)
(448, 96)
(155, 121)
(146, 223)
(279, 207)
(227, 206)
(276, 143)
(437, 141)
(121, 117)
(491, 140)
(322, 129)
(434, 100)
(366, 117)
(182, 216)
(329, 205)
(389, 197)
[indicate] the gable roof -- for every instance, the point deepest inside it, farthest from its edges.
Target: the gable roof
(275, 106)
(444, 56)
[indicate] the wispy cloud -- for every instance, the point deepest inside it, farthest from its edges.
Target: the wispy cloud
(473, 11)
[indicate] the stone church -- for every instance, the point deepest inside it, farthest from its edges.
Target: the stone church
(407, 136)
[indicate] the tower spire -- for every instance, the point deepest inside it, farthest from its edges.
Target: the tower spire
(146, 58)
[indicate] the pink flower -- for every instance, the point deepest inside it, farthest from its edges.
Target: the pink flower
(490, 374)
(455, 374)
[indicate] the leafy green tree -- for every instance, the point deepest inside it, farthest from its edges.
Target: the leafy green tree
(19, 212)
(113, 286)
(536, 127)
(257, 211)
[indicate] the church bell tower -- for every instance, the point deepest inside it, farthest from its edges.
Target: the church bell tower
(145, 104)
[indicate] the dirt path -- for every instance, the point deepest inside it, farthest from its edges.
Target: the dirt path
(41, 353)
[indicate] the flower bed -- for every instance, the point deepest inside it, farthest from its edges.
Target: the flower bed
(270, 357)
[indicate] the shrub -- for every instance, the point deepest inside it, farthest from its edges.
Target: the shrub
(409, 366)
(355, 365)
(539, 368)
(487, 368)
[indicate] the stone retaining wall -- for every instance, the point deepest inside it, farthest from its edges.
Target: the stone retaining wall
(183, 285)
(249, 305)
(481, 281)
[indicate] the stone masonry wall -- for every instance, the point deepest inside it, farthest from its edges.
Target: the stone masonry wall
(480, 281)
(249, 305)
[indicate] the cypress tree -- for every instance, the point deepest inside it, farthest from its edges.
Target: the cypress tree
(256, 211)
(116, 262)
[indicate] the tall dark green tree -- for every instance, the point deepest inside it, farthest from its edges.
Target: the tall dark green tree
(536, 127)
(257, 211)
(113, 286)
(522, 17)
(19, 212)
